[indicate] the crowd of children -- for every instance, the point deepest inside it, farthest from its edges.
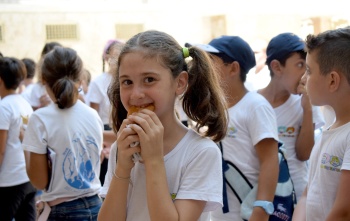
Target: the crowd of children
(76, 142)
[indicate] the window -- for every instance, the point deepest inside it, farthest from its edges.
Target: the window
(61, 32)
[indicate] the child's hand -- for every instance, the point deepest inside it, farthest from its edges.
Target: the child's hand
(150, 133)
(301, 90)
(44, 100)
(125, 137)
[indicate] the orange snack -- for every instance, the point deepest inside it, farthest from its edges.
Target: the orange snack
(134, 109)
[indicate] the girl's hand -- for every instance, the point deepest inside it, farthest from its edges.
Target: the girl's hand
(125, 137)
(150, 133)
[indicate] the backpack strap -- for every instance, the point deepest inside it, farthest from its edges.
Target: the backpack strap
(235, 179)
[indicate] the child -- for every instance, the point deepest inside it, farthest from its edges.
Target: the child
(17, 194)
(30, 67)
(296, 118)
(36, 95)
(97, 93)
(251, 141)
(71, 130)
(327, 195)
(180, 176)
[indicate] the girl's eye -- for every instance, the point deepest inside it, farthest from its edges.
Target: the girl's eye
(126, 82)
(149, 79)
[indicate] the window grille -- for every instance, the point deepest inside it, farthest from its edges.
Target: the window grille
(61, 32)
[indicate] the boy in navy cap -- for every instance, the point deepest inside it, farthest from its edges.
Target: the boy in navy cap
(296, 118)
(327, 195)
(251, 142)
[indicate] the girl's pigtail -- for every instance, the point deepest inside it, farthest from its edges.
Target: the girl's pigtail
(204, 100)
(66, 93)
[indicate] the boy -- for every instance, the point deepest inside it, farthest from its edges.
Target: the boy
(251, 142)
(327, 194)
(17, 193)
(295, 115)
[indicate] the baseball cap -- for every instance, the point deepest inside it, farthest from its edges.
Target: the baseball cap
(230, 49)
(282, 45)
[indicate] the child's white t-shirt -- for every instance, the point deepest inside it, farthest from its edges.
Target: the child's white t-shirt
(330, 155)
(33, 93)
(251, 120)
(289, 119)
(13, 168)
(75, 135)
(97, 93)
(193, 170)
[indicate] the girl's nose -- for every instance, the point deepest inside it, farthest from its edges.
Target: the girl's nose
(137, 93)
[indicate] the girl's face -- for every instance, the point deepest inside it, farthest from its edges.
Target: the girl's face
(145, 81)
(293, 70)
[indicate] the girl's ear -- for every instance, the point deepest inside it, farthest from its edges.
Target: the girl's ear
(181, 83)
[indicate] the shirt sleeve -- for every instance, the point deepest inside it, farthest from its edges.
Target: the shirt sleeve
(94, 95)
(35, 136)
(5, 117)
(262, 124)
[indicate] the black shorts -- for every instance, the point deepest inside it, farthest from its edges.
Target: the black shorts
(18, 202)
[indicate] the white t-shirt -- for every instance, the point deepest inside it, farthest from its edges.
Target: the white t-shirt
(289, 119)
(256, 81)
(75, 134)
(189, 176)
(13, 168)
(252, 119)
(97, 93)
(33, 92)
(330, 155)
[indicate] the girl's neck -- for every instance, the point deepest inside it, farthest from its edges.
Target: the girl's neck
(173, 133)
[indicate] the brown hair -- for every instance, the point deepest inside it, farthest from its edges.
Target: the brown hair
(333, 50)
(12, 72)
(61, 70)
(203, 100)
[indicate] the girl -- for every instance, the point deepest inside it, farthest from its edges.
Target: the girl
(180, 176)
(97, 94)
(36, 94)
(17, 194)
(71, 134)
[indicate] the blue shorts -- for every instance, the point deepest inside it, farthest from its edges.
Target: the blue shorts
(82, 209)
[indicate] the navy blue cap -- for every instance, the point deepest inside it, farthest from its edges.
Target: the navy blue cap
(230, 49)
(282, 45)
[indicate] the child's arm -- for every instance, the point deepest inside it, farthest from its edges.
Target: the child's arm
(300, 210)
(267, 151)
(341, 207)
(114, 206)
(3, 139)
(109, 137)
(305, 140)
(37, 169)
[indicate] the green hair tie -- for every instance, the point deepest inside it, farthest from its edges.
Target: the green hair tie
(185, 52)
